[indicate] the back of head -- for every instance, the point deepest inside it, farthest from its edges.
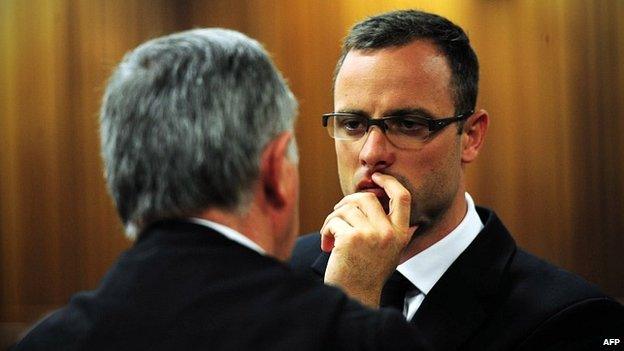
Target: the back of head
(183, 123)
(398, 28)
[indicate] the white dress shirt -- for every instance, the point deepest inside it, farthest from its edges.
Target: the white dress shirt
(228, 233)
(427, 267)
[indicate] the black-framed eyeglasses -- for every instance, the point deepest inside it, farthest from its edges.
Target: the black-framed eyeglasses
(406, 131)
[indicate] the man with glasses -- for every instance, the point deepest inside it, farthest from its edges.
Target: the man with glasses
(405, 90)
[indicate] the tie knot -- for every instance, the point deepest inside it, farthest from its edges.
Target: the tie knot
(393, 292)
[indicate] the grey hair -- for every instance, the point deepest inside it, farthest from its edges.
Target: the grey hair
(184, 121)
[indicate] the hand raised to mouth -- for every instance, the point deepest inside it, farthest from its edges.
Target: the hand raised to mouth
(370, 186)
(365, 241)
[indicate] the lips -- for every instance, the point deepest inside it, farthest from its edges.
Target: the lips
(370, 187)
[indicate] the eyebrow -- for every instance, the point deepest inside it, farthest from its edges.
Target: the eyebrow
(419, 111)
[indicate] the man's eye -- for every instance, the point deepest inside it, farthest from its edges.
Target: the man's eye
(351, 124)
(408, 125)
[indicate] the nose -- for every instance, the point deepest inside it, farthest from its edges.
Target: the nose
(377, 152)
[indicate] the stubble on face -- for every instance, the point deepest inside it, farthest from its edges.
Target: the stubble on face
(429, 203)
(412, 76)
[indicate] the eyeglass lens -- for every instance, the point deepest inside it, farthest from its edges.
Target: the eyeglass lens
(402, 131)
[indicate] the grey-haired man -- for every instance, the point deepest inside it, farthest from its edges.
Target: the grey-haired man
(197, 140)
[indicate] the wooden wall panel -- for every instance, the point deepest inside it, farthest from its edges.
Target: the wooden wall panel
(552, 83)
(552, 167)
(58, 230)
(31, 173)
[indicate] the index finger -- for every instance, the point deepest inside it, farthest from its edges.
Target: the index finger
(400, 198)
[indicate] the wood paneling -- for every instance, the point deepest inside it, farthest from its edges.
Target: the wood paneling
(59, 231)
(552, 167)
(552, 81)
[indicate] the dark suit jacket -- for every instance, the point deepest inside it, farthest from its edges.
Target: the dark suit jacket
(498, 297)
(183, 286)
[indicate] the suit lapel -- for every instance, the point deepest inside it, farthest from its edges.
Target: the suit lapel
(320, 264)
(464, 296)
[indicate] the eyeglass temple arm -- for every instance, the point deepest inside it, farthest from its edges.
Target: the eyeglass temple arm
(437, 124)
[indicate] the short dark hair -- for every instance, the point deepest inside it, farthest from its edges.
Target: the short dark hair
(402, 27)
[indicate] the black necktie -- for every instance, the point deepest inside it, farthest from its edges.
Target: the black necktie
(393, 292)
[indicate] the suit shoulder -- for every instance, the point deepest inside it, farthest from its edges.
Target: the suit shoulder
(582, 325)
(555, 301)
(309, 241)
(539, 304)
(307, 248)
(535, 275)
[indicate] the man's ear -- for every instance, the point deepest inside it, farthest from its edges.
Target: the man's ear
(473, 135)
(272, 170)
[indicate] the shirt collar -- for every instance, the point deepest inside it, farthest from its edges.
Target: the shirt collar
(427, 267)
(228, 233)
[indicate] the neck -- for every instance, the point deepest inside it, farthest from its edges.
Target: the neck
(438, 230)
(246, 223)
